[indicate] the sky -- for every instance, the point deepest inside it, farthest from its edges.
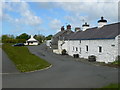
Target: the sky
(46, 17)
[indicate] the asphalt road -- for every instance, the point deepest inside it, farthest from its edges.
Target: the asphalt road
(65, 73)
(7, 65)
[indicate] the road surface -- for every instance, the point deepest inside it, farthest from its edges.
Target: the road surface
(65, 73)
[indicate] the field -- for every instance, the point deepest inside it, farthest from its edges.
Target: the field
(23, 59)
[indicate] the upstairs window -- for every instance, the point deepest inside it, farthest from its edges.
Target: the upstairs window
(100, 49)
(80, 41)
(87, 48)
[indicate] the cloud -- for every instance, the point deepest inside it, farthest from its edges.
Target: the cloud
(90, 12)
(62, 0)
(23, 9)
(55, 24)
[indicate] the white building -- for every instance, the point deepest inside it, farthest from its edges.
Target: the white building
(102, 41)
(48, 43)
(61, 35)
(32, 41)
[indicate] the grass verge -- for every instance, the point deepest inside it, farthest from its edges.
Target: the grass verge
(113, 86)
(109, 87)
(23, 59)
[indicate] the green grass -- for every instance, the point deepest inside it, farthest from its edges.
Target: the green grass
(23, 59)
(109, 87)
(116, 62)
(113, 86)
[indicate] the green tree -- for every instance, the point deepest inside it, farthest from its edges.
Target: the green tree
(5, 37)
(40, 38)
(23, 36)
(49, 37)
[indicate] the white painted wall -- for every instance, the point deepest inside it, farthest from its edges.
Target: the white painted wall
(48, 42)
(108, 54)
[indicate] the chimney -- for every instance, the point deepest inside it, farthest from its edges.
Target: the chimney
(69, 27)
(102, 22)
(77, 29)
(85, 26)
(62, 28)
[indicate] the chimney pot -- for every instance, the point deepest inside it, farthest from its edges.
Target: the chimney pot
(62, 28)
(69, 27)
(77, 29)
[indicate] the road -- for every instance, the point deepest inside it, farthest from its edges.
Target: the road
(65, 73)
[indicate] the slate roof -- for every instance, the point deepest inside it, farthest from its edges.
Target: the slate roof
(60, 36)
(109, 31)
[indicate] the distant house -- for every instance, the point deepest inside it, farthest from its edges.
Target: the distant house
(102, 42)
(32, 41)
(61, 35)
(48, 43)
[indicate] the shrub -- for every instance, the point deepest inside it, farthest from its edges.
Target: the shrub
(13, 40)
(64, 52)
(118, 58)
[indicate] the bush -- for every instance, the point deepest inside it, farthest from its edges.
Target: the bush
(118, 58)
(64, 52)
(13, 40)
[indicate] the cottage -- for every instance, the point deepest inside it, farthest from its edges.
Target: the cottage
(32, 41)
(102, 42)
(61, 35)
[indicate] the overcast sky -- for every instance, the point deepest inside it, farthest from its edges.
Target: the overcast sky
(48, 17)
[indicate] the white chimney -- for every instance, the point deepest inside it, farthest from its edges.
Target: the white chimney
(102, 22)
(85, 26)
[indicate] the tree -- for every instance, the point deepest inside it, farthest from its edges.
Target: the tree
(49, 37)
(5, 37)
(23, 36)
(40, 38)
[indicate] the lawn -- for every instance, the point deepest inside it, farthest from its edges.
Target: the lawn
(113, 86)
(23, 59)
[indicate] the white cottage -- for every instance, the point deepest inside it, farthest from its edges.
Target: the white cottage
(102, 42)
(32, 41)
(48, 43)
(61, 35)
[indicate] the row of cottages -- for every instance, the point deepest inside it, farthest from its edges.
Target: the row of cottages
(102, 41)
(61, 35)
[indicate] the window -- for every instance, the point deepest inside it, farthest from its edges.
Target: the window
(100, 49)
(80, 41)
(112, 45)
(76, 49)
(73, 48)
(87, 48)
(80, 50)
(118, 36)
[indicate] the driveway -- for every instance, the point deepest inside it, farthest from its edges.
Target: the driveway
(66, 72)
